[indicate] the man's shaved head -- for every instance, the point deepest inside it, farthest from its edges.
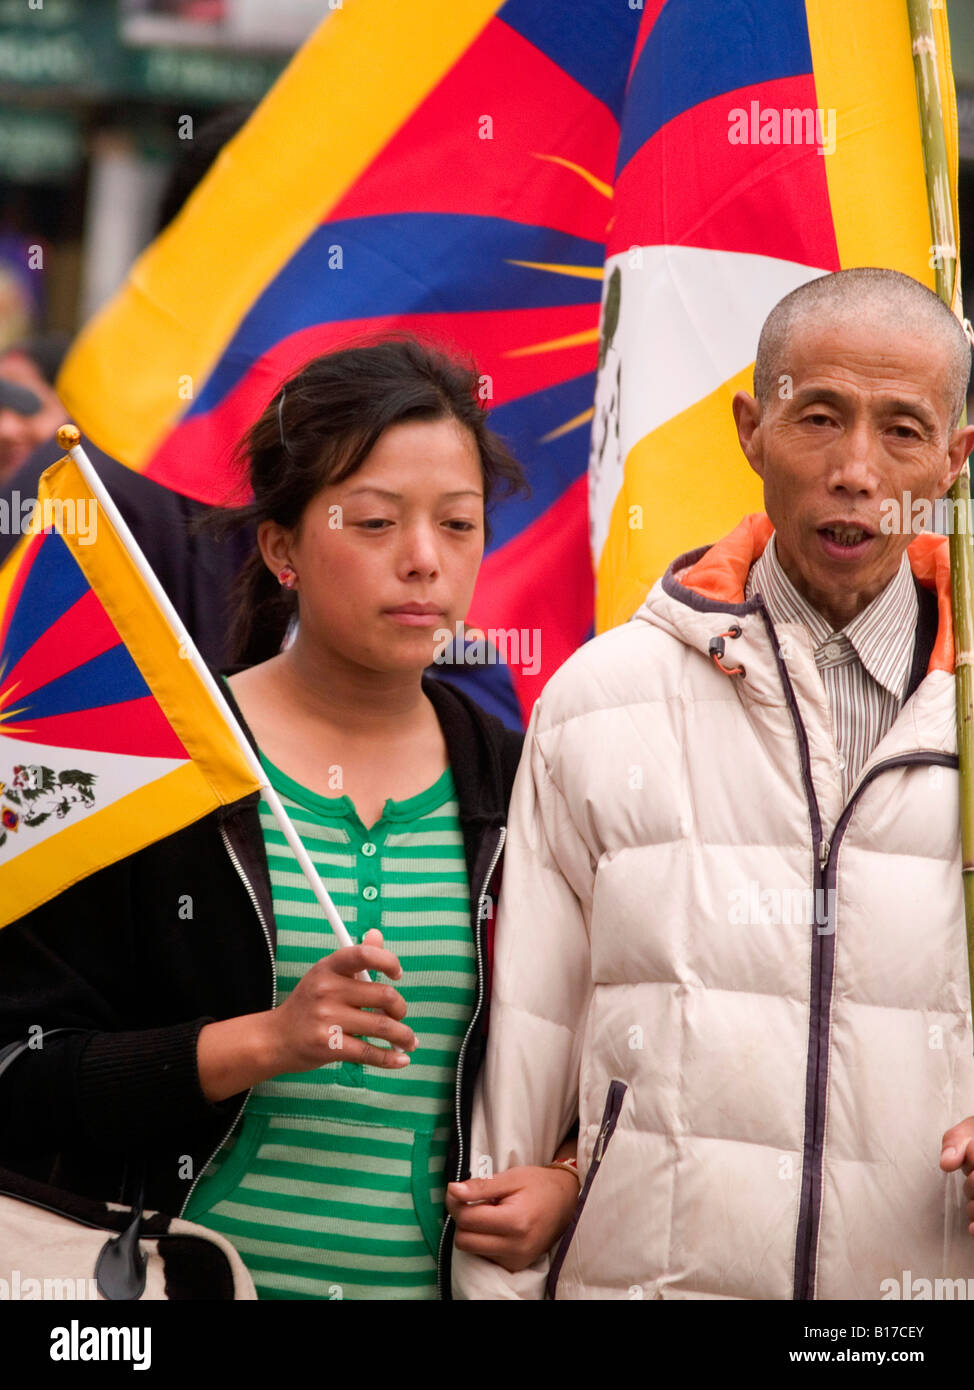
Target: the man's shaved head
(884, 297)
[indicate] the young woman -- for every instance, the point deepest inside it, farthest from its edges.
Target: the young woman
(231, 1054)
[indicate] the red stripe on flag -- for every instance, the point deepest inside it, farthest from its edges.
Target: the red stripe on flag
(689, 186)
(81, 633)
(488, 336)
(651, 14)
(446, 158)
(137, 727)
(515, 589)
(13, 598)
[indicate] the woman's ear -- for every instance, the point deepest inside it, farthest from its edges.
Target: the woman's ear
(275, 544)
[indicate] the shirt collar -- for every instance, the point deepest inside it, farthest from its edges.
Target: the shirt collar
(882, 635)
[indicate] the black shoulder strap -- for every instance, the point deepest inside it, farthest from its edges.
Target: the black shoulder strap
(927, 623)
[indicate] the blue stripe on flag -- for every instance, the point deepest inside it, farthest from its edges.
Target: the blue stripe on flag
(699, 49)
(551, 467)
(592, 42)
(53, 584)
(108, 679)
(406, 263)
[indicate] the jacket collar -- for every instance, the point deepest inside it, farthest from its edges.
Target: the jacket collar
(474, 746)
(712, 578)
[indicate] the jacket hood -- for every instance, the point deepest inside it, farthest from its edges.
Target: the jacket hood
(711, 580)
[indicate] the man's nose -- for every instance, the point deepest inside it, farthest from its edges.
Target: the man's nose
(12, 427)
(12, 444)
(854, 466)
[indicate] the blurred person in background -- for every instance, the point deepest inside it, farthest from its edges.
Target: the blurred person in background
(19, 291)
(30, 410)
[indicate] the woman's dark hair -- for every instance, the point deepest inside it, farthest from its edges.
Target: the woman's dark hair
(319, 429)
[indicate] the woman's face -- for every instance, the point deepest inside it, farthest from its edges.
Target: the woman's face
(388, 558)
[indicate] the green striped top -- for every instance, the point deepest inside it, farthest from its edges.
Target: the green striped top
(332, 1184)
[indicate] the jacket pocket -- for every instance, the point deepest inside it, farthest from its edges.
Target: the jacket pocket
(610, 1118)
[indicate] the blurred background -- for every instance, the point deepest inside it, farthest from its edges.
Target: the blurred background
(97, 100)
(98, 97)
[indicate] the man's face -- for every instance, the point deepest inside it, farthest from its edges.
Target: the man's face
(20, 434)
(862, 418)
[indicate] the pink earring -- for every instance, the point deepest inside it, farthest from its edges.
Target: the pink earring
(287, 577)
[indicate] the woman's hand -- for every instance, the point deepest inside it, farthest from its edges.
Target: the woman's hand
(518, 1215)
(322, 1020)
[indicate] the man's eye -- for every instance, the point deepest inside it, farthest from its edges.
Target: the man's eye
(375, 523)
(459, 525)
(906, 432)
(817, 418)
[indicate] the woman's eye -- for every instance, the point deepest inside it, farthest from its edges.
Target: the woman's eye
(459, 525)
(376, 523)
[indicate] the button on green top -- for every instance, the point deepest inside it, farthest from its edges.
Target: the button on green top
(368, 849)
(370, 893)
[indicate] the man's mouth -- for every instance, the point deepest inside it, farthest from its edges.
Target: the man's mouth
(845, 535)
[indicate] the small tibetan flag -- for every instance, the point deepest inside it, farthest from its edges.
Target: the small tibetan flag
(109, 738)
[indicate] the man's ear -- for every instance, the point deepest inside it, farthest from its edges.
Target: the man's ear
(747, 418)
(959, 446)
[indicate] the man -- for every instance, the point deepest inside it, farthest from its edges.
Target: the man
(30, 411)
(731, 933)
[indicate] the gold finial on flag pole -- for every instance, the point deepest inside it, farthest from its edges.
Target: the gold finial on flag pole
(68, 436)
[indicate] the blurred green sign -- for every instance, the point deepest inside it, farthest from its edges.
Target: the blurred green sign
(38, 146)
(73, 46)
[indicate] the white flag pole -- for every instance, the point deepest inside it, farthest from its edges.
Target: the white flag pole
(69, 439)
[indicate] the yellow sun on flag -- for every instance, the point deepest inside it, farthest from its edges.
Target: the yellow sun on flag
(6, 695)
(581, 272)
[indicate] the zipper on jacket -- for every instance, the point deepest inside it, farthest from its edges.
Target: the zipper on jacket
(811, 1197)
(610, 1118)
(481, 915)
(270, 951)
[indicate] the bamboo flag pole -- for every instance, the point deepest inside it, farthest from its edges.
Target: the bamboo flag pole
(941, 175)
(69, 439)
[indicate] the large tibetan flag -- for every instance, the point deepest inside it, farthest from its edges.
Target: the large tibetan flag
(764, 143)
(436, 166)
(109, 739)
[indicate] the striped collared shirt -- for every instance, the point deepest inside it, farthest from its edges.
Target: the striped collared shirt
(864, 668)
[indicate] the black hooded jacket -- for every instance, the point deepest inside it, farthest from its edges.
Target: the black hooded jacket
(142, 954)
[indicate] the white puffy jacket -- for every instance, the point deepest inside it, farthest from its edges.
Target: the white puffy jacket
(753, 994)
